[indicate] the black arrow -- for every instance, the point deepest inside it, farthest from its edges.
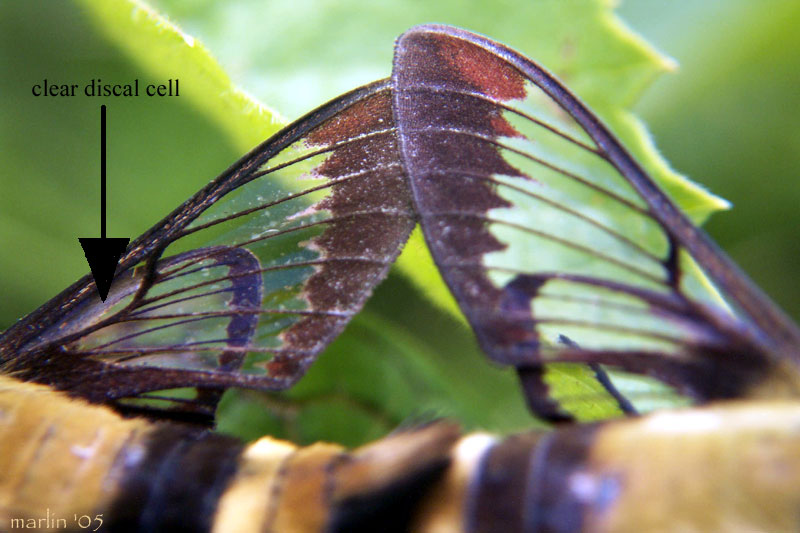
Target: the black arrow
(103, 254)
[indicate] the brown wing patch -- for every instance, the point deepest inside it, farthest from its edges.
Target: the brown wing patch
(479, 68)
(370, 218)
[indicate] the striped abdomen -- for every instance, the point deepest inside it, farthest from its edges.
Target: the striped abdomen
(65, 464)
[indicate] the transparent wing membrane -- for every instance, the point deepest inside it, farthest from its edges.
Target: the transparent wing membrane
(249, 280)
(545, 228)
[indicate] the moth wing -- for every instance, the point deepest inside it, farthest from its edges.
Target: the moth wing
(554, 241)
(245, 283)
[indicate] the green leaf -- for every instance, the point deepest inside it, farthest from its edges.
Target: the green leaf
(163, 51)
(294, 56)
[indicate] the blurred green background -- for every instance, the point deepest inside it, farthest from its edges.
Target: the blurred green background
(728, 118)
